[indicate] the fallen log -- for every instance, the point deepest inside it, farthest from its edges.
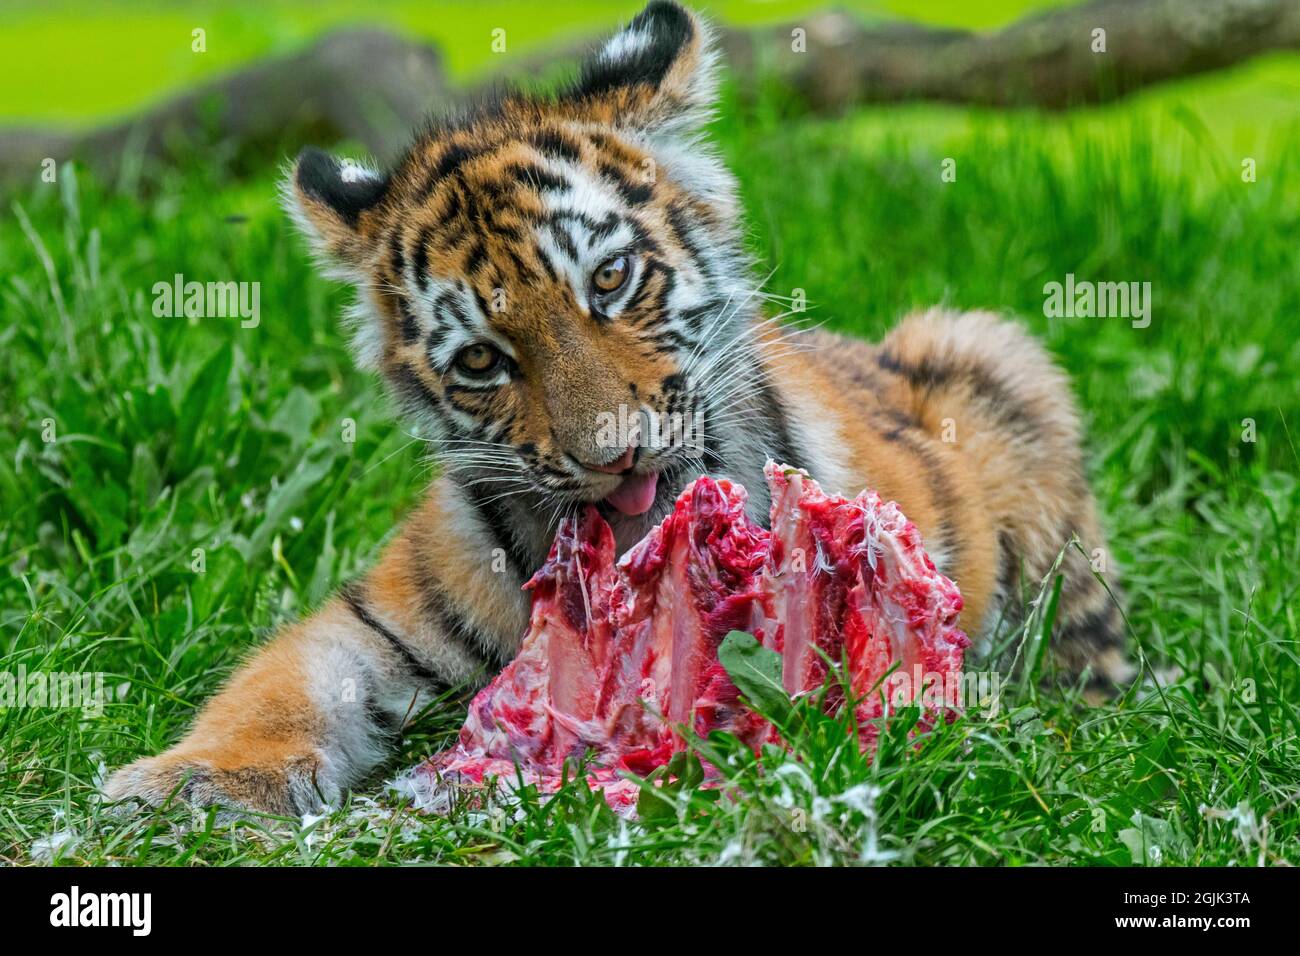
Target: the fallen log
(373, 87)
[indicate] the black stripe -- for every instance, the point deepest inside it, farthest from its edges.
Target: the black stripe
(451, 305)
(475, 406)
(547, 265)
(673, 384)
(451, 161)
(1009, 572)
(605, 227)
(483, 308)
(694, 317)
(498, 521)
(668, 340)
(500, 433)
(899, 430)
(388, 722)
(454, 206)
(535, 177)
(503, 230)
(642, 241)
(663, 293)
(355, 600)
(597, 227)
(474, 259)
(677, 219)
(437, 338)
(1098, 630)
(983, 383)
(396, 261)
(774, 440)
(410, 324)
(634, 193)
(412, 390)
(453, 625)
(784, 450)
(523, 270)
(712, 451)
(555, 144)
(563, 239)
(419, 259)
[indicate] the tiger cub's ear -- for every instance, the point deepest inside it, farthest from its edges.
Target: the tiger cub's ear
(330, 199)
(658, 75)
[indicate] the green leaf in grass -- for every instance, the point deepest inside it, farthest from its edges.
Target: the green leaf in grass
(756, 672)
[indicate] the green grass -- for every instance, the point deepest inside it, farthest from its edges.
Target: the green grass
(173, 435)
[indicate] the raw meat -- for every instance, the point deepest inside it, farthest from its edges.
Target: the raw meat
(619, 657)
(849, 580)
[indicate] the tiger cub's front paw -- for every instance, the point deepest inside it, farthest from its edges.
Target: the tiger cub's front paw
(289, 786)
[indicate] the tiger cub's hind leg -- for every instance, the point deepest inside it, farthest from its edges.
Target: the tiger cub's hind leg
(1020, 435)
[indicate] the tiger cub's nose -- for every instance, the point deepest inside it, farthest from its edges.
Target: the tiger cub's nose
(616, 467)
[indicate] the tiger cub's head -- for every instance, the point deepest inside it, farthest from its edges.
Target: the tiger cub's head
(541, 277)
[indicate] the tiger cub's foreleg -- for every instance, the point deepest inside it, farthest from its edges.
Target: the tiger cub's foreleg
(321, 705)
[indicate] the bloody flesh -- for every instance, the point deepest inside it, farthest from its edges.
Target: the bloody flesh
(620, 659)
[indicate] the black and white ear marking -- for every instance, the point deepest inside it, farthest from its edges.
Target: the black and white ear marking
(642, 52)
(661, 68)
(327, 196)
(327, 199)
(347, 188)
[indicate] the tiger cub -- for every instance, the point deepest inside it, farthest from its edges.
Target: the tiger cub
(528, 271)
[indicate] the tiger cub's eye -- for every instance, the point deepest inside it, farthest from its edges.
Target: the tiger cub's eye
(477, 359)
(611, 274)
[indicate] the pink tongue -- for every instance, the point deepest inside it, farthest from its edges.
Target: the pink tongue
(635, 495)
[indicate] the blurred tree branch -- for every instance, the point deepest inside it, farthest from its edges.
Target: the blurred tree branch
(1046, 60)
(367, 85)
(372, 87)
